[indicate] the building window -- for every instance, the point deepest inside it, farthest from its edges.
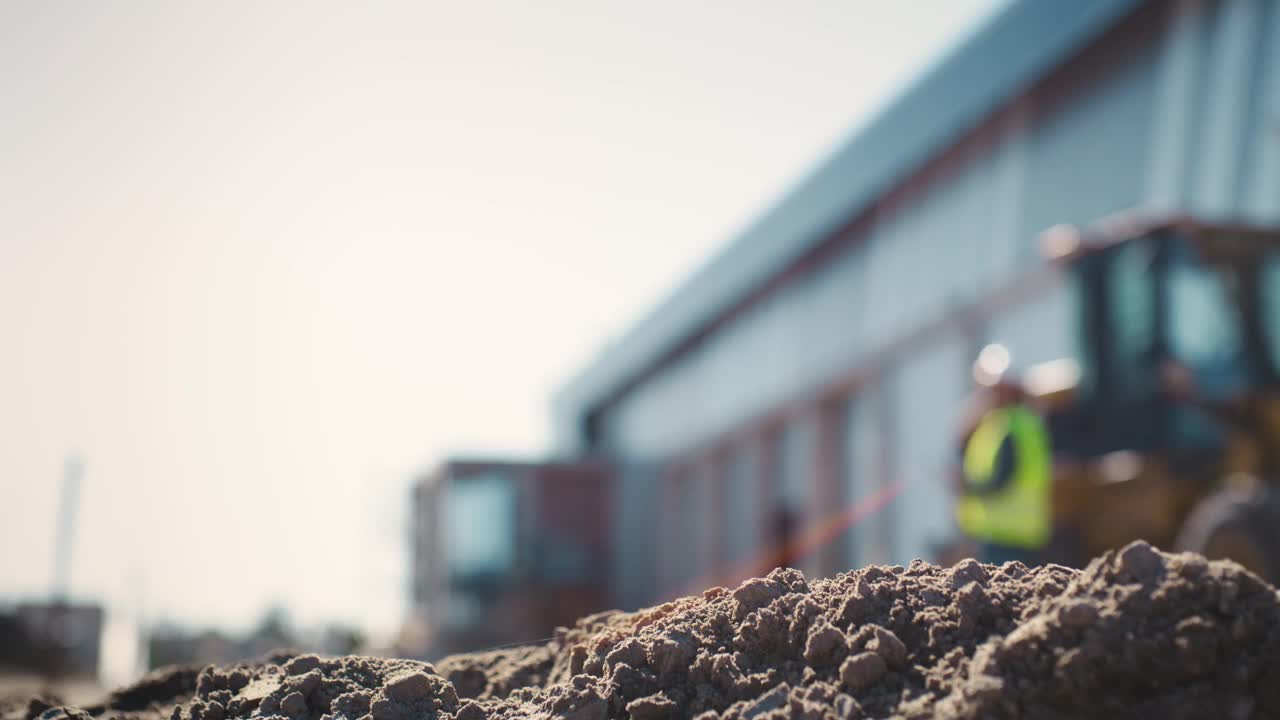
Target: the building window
(795, 479)
(788, 487)
(676, 566)
(740, 528)
(863, 477)
(562, 559)
(480, 526)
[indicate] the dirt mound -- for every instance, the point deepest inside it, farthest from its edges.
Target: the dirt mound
(1136, 634)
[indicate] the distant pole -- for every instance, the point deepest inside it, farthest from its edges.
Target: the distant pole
(72, 474)
(142, 658)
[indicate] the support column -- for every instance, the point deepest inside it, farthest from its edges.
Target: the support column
(766, 484)
(1235, 47)
(665, 565)
(828, 498)
(1013, 245)
(1262, 192)
(1176, 107)
(717, 477)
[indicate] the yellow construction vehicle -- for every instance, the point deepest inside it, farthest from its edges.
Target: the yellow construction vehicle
(1167, 425)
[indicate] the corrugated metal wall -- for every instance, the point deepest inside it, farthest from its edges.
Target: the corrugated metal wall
(1181, 109)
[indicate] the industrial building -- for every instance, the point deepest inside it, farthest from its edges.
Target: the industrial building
(810, 373)
(56, 639)
(505, 551)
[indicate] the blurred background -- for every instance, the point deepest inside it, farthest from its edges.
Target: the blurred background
(409, 328)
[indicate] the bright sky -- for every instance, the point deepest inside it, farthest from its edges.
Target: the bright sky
(260, 262)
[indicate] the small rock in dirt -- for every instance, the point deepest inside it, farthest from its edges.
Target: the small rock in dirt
(308, 683)
(670, 656)
(302, 664)
(651, 707)
(1141, 560)
(237, 679)
(1078, 614)
(965, 572)
(206, 681)
(768, 702)
(384, 709)
(862, 670)
(594, 708)
(756, 593)
(293, 704)
(468, 682)
(353, 704)
(971, 598)
(214, 710)
(630, 652)
(1192, 565)
(791, 579)
(825, 645)
(410, 687)
(846, 707)
(887, 645)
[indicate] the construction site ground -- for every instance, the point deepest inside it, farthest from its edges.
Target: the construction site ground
(1136, 634)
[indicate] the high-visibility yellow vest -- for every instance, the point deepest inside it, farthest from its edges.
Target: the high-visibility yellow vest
(1019, 514)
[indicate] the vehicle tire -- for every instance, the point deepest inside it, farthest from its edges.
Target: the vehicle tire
(1239, 524)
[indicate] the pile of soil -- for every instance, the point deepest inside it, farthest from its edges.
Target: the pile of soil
(1138, 633)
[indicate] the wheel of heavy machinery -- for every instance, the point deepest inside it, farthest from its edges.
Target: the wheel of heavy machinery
(1237, 523)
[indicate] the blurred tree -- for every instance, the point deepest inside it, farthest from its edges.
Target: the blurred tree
(274, 632)
(342, 640)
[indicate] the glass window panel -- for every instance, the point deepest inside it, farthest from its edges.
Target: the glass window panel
(862, 470)
(742, 505)
(479, 524)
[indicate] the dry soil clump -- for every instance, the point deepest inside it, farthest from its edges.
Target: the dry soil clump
(1138, 633)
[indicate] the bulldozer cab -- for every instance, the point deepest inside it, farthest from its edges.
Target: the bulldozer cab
(1177, 301)
(1176, 390)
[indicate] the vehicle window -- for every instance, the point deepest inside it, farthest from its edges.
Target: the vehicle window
(1204, 329)
(1132, 312)
(1269, 279)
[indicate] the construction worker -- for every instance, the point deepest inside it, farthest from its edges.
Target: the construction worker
(1006, 467)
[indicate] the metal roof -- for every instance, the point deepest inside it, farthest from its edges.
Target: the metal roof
(1007, 55)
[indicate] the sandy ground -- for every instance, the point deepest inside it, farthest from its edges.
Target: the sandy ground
(17, 687)
(1138, 633)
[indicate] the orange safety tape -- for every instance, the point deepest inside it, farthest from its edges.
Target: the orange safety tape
(804, 543)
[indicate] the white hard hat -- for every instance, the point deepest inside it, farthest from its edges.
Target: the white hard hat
(992, 364)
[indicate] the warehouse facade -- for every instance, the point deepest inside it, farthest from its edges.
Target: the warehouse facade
(808, 376)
